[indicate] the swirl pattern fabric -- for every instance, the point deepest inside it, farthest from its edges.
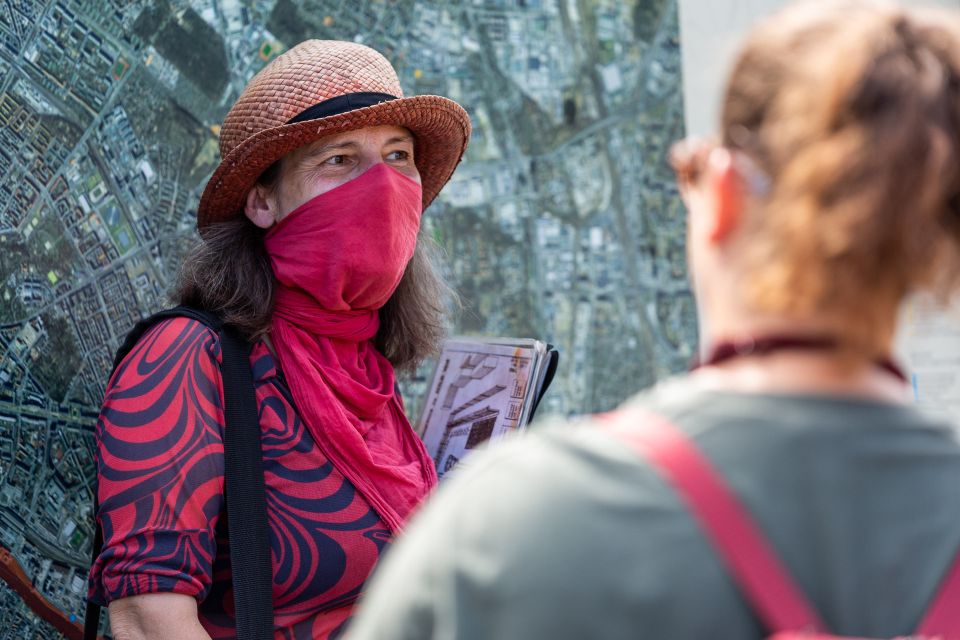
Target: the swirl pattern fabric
(160, 470)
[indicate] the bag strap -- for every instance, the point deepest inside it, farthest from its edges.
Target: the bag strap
(766, 583)
(210, 319)
(250, 558)
(752, 562)
(250, 555)
(942, 619)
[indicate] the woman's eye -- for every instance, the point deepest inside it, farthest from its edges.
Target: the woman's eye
(335, 160)
(399, 155)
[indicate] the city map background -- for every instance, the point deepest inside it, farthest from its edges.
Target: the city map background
(562, 223)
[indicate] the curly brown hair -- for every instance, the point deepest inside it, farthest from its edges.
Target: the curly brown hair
(852, 109)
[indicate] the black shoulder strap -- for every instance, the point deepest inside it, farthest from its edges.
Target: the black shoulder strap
(250, 558)
(245, 492)
(208, 318)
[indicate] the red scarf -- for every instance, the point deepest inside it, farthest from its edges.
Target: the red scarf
(337, 260)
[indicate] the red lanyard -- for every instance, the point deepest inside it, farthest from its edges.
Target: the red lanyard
(726, 350)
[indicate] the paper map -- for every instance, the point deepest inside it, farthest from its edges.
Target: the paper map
(481, 390)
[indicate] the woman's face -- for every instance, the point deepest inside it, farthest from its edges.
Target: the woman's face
(316, 168)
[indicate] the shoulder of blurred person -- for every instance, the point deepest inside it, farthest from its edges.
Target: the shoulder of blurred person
(566, 533)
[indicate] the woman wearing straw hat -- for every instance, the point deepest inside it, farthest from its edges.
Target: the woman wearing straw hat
(311, 248)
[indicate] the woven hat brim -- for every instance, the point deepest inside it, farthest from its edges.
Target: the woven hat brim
(440, 126)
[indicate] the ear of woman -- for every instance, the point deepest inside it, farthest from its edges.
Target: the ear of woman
(726, 194)
(260, 208)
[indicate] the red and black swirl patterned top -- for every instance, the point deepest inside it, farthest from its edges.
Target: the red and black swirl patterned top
(160, 471)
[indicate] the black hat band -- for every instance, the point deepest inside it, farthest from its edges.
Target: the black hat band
(341, 104)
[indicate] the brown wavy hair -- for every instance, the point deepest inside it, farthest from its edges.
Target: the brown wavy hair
(228, 271)
(852, 109)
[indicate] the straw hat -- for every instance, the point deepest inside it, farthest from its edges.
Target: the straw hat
(318, 88)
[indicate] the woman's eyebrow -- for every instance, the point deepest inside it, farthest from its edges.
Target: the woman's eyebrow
(331, 147)
(350, 144)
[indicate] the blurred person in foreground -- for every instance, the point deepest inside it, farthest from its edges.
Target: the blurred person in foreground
(832, 194)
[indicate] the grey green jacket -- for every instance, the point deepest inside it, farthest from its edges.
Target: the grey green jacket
(566, 533)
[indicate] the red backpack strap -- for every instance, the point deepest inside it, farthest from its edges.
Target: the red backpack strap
(764, 581)
(943, 617)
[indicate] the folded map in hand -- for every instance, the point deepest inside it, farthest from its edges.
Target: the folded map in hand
(481, 390)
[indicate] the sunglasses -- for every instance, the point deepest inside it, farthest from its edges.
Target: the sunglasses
(688, 158)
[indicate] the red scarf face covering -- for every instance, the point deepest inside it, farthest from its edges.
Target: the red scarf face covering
(337, 260)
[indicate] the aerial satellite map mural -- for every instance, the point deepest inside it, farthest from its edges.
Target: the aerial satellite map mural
(561, 224)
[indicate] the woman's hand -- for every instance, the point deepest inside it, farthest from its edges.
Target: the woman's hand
(155, 616)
